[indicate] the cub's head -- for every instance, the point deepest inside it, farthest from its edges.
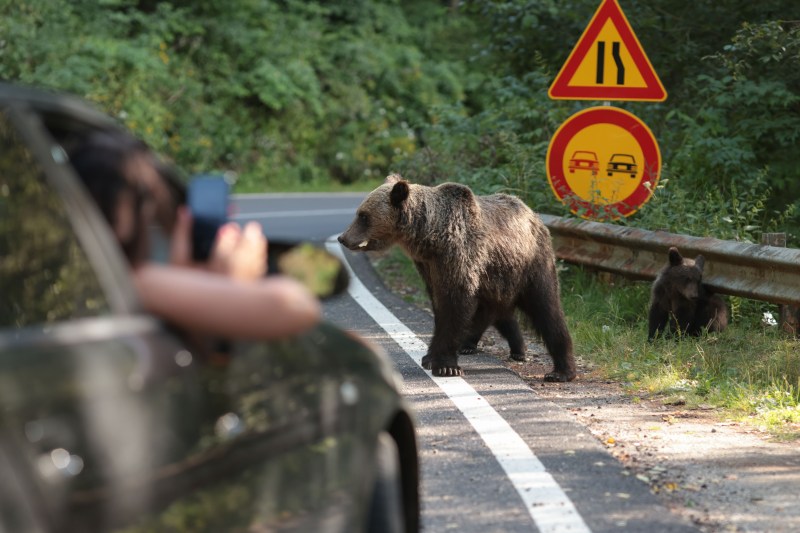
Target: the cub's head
(375, 225)
(684, 275)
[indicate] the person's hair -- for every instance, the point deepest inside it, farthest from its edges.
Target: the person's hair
(103, 161)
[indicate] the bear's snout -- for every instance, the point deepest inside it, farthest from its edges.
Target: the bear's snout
(691, 291)
(345, 242)
(348, 242)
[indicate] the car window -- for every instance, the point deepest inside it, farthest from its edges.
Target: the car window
(44, 274)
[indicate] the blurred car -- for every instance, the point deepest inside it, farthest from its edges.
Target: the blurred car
(584, 160)
(623, 163)
(111, 422)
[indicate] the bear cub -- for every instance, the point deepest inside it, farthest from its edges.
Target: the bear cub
(680, 302)
(481, 258)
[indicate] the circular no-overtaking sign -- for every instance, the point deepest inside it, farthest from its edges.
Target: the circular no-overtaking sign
(604, 163)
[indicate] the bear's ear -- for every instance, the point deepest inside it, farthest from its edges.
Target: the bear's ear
(393, 178)
(675, 257)
(700, 262)
(399, 193)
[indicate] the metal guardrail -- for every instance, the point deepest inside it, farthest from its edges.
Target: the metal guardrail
(754, 271)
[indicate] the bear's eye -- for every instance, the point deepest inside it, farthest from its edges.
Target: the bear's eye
(363, 218)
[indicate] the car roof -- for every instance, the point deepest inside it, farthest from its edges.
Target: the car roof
(50, 101)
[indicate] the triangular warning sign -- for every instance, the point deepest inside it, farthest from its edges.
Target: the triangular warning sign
(608, 63)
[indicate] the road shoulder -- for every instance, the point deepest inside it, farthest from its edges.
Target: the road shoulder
(721, 475)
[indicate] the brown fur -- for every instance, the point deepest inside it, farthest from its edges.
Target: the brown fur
(481, 257)
(681, 303)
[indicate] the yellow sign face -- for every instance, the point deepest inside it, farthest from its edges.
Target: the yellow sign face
(604, 163)
(599, 70)
(608, 63)
(608, 142)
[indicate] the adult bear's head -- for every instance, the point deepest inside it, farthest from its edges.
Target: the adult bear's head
(375, 225)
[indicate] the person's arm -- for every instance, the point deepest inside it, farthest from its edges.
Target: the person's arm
(210, 304)
(229, 296)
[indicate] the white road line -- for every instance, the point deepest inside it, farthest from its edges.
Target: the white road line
(293, 195)
(295, 213)
(548, 505)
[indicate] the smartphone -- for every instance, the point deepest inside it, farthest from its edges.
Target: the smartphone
(207, 196)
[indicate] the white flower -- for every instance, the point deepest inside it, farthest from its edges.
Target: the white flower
(768, 319)
(606, 328)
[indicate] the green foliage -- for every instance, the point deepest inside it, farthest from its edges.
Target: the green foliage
(280, 92)
(298, 94)
(745, 124)
(727, 132)
(501, 148)
(740, 213)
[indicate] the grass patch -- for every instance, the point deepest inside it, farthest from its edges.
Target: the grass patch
(400, 275)
(750, 372)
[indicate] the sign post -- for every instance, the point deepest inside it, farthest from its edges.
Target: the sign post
(604, 162)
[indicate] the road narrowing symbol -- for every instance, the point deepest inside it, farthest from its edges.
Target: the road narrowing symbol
(603, 163)
(608, 63)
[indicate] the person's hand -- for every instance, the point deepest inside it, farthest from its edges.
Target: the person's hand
(240, 253)
(237, 253)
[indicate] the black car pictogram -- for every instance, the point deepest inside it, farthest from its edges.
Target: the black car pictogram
(624, 163)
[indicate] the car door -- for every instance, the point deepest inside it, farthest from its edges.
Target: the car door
(111, 422)
(95, 397)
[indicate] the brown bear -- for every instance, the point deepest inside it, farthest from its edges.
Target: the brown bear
(680, 302)
(481, 257)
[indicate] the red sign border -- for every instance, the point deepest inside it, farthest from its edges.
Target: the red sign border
(603, 115)
(653, 91)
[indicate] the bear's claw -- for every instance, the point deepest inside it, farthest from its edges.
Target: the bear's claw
(447, 371)
(440, 368)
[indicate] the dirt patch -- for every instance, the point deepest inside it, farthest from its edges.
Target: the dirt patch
(722, 475)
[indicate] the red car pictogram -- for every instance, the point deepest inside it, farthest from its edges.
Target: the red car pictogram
(584, 160)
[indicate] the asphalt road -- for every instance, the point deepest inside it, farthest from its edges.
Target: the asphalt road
(495, 457)
(311, 217)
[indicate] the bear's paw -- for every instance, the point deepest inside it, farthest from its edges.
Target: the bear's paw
(559, 377)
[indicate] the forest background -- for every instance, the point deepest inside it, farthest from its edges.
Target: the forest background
(298, 95)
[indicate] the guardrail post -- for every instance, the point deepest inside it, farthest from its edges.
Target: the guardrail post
(789, 314)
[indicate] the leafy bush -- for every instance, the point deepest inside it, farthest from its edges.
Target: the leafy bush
(280, 92)
(727, 133)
